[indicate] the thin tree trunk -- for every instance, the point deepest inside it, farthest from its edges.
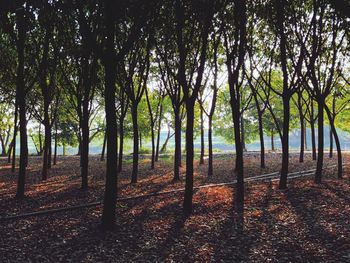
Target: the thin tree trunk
(153, 148)
(319, 165)
(46, 146)
(9, 152)
(272, 141)
(158, 131)
(243, 134)
(262, 144)
(285, 144)
(177, 159)
(49, 156)
(13, 166)
(84, 157)
(135, 162)
(313, 136)
(210, 147)
(201, 160)
(55, 150)
(305, 136)
(103, 148)
(330, 143)
(302, 131)
(187, 205)
(337, 143)
(239, 189)
(121, 145)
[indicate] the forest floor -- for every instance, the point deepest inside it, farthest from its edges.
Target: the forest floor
(305, 223)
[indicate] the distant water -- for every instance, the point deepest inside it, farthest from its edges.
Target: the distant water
(219, 143)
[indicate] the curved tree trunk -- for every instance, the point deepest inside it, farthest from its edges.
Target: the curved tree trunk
(337, 143)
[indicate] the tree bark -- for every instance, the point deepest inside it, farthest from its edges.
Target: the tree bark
(177, 157)
(313, 135)
(47, 144)
(285, 143)
(210, 147)
(262, 144)
(21, 96)
(109, 202)
(103, 147)
(85, 144)
(330, 143)
(158, 131)
(153, 148)
(13, 166)
(55, 149)
(319, 165)
(302, 131)
(121, 145)
(135, 162)
(337, 143)
(201, 159)
(187, 205)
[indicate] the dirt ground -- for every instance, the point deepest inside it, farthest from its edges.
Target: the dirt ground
(306, 223)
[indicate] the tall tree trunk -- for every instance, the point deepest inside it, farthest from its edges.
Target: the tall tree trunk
(13, 166)
(84, 157)
(201, 159)
(302, 131)
(239, 190)
(140, 136)
(272, 141)
(210, 147)
(313, 135)
(330, 143)
(135, 161)
(319, 165)
(153, 148)
(55, 149)
(109, 202)
(3, 146)
(243, 134)
(285, 143)
(158, 131)
(21, 98)
(49, 156)
(187, 205)
(47, 144)
(177, 159)
(9, 152)
(262, 144)
(305, 136)
(121, 145)
(103, 147)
